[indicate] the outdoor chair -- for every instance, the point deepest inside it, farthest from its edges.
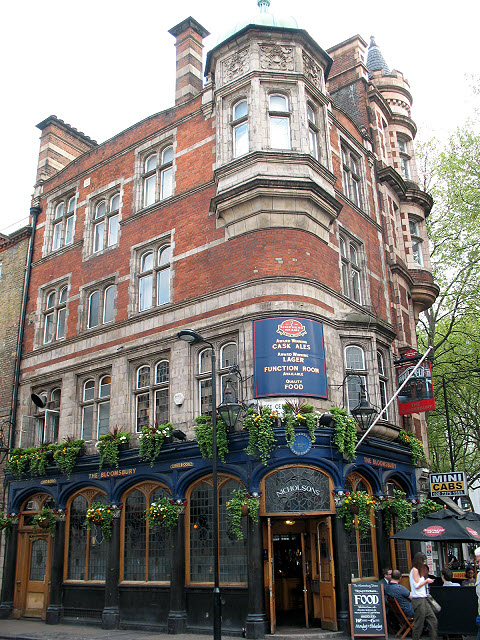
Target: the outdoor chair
(406, 623)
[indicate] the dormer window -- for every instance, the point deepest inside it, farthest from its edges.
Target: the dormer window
(240, 128)
(279, 115)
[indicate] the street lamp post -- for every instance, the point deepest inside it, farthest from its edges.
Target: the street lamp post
(192, 337)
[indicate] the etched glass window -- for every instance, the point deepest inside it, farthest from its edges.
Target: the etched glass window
(297, 490)
(87, 548)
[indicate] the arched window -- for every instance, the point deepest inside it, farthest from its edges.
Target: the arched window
(199, 535)
(158, 176)
(356, 374)
(63, 223)
(240, 128)
(95, 407)
(146, 552)
(279, 115)
(54, 314)
(351, 269)
(106, 223)
(362, 550)
(228, 358)
(86, 548)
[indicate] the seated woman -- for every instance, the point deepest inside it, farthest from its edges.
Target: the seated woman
(469, 578)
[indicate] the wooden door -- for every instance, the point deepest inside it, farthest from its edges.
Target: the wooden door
(326, 574)
(271, 577)
(32, 576)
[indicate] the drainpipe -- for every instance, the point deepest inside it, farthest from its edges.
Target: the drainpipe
(34, 211)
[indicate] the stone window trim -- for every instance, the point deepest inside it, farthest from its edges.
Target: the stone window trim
(106, 218)
(53, 303)
(94, 403)
(417, 239)
(93, 202)
(352, 259)
(279, 108)
(239, 121)
(353, 175)
(85, 307)
(141, 269)
(155, 147)
(61, 218)
(150, 378)
(226, 353)
(382, 382)
(313, 130)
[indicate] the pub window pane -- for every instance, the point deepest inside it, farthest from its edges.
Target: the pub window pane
(135, 537)
(77, 543)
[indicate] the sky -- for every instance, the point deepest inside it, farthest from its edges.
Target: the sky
(103, 65)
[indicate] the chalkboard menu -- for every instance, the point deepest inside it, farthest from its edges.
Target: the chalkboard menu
(367, 609)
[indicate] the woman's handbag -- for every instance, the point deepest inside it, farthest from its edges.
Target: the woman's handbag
(434, 604)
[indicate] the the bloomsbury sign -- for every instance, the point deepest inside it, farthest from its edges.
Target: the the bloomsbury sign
(289, 358)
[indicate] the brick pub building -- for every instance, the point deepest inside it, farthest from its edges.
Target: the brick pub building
(276, 201)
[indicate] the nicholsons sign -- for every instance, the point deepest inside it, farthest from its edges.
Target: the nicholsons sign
(367, 609)
(289, 358)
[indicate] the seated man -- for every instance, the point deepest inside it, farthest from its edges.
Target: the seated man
(447, 576)
(401, 594)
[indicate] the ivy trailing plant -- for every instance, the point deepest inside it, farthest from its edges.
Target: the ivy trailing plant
(345, 436)
(32, 460)
(399, 507)
(152, 439)
(299, 414)
(241, 504)
(428, 506)
(164, 513)
(45, 519)
(101, 515)
(261, 436)
(411, 441)
(204, 437)
(355, 509)
(18, 462)
(66, 455)
(108, 446)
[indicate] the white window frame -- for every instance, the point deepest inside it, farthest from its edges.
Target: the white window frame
(102, 292)
(240, 128)
(106, 217)
(157, 175)
(382, 383)
(47, 419)
(405, 157)
(204, 372)
(281, 116)
(54, 313)
(312, 117)
(63, 222)
(356, 374)
(95, 404)
(351, 268)
(157, 273)
(149, 392)
(417, 241)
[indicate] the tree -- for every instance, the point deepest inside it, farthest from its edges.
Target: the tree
(452, 324)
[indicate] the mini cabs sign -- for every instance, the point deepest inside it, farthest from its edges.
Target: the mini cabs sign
(448, 484)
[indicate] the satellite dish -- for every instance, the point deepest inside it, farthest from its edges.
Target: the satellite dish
(38, 401)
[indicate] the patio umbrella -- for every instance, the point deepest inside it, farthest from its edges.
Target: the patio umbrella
(443, 525)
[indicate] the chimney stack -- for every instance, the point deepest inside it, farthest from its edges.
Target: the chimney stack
(189, 44)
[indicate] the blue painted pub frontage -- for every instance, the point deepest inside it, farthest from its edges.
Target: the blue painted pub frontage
(295, 563)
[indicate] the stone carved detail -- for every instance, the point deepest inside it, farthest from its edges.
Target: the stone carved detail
(276, 57)
(235, 65)
(312, 70)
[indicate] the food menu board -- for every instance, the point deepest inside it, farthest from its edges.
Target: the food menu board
(367, 609)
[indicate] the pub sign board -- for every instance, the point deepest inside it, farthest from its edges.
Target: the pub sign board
(289, 358)
(367, 609)
(417, 395)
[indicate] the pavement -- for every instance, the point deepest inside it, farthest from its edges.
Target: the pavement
(25, 629)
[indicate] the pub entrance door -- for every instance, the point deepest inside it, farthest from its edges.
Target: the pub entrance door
(32, 578)
(300, 583)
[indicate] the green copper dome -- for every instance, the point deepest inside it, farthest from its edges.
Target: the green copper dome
(261, 18)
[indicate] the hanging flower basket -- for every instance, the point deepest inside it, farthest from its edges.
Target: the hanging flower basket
(67, 453)
(45, 519)
(152, 440)
(110, 444)
(345, 436)
(164, 513)
(261, 437)
(356, 508)
(241, 504)
(414, 444)
(101, 515)
(298, 415)
(204, 437)
(398, 507)
(7, 520)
